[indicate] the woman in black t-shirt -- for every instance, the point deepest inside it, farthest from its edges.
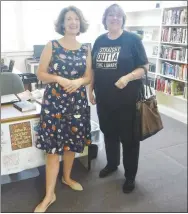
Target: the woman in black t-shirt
(118, 57)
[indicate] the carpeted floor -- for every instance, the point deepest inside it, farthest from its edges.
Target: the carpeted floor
(161, 181)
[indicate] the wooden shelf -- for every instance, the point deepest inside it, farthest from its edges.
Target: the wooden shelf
(176, 7)
(151, 72)
(152, 57)
(170, 60)
(145, 10)
(134, 26)
(180, 97)
(174, 25)
(149, 41)
(174, 43)
(170, 77)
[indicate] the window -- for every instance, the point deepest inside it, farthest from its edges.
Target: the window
(9, 26)
(39, 18)
(26, 23)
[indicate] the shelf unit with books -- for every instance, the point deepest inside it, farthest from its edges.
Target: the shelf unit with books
(171, 75)
(165, 29)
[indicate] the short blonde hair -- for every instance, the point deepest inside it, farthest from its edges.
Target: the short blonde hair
(108, 9)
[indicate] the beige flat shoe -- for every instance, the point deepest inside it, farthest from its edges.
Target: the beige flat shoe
(76, 186)
(39, 209)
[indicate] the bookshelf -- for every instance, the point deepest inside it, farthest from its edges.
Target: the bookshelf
(171, 76)
(164, 36)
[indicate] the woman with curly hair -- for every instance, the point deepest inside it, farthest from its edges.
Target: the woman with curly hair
(65, 66)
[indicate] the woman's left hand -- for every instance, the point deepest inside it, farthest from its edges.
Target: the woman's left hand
(122, 82)
(73, 86)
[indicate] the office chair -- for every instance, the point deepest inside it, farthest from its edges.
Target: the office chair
(28, 78)
(10, 67)
(10, 83)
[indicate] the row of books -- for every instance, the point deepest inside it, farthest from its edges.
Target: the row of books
(176, 35)
(173, 53)
(174, 70)
(171, 87)
(175, 16)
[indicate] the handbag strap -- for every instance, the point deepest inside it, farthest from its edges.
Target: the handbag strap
(147, 82)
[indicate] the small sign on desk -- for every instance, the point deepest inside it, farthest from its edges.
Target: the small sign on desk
(20, 134)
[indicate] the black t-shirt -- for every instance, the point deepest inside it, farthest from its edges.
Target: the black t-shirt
(112, 59)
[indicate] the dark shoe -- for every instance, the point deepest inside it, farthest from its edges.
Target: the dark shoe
(107, 171)
(128, 186)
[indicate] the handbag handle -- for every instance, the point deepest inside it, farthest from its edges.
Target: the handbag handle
(147, 84)
(143, 92)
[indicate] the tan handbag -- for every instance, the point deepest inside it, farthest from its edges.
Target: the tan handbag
(148, 119)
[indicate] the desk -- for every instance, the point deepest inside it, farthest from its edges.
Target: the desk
(18, 137)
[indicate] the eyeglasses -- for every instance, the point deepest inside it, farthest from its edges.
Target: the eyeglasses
(117, 15)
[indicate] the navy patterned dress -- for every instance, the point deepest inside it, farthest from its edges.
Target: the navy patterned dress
(65, 118)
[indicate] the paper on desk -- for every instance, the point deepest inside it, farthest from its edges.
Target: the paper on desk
(37, 94)
(27, 95)
(10, 98)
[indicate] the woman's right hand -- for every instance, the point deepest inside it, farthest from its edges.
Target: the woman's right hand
(92, 98)
(63, 82)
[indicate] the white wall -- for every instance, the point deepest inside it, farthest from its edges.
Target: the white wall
(22, 40)
(173, 3)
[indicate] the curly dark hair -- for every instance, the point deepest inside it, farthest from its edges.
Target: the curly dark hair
(109, 9)
(59, 24)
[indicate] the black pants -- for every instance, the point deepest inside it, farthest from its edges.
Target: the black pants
(118, 126)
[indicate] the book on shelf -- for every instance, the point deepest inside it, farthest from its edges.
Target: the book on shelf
(24, 106)
(175, 16)
(174, 35)
(152, 67)
(173, 53)
(171, 87)
(174, 70)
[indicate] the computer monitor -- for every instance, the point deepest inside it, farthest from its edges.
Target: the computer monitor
(37, 51)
